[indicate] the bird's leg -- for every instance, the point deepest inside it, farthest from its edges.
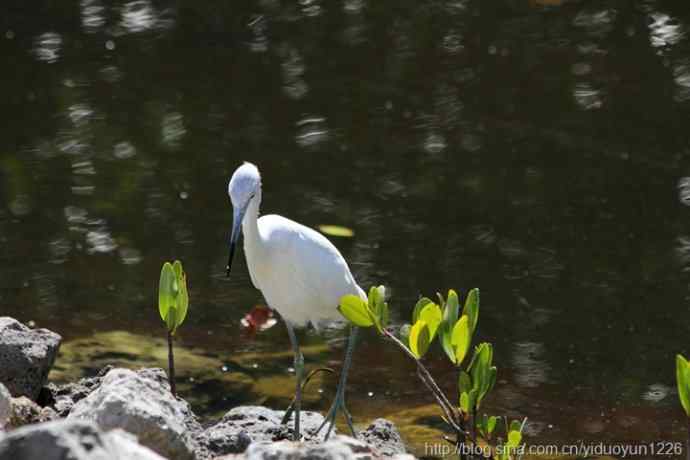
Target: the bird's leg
(291, 407)
(299, 367)
(339, 402)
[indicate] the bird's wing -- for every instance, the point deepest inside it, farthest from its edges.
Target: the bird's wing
(311, 269)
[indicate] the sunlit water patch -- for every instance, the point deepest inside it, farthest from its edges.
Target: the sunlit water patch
(92, 15)
(656, 393)
(100, 241)
(124, 150)
(47, 47)
(665, 31)
(172, 129)
(311, 131)
(138, 16)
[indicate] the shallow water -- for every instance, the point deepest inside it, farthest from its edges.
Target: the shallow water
(537, 150)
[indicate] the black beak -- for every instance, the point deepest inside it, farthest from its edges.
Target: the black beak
(234, 236)
(232, 252)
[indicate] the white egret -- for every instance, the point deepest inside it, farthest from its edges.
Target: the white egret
(299, 271)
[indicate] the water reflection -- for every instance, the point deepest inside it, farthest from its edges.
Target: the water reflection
(596, 23)
(100, 241)
(293, 68)
(587, 97)
(259, 42)
(172, 130)
(665, 31)
(536, 149)
(311, 131)
(530, 369)
(47, 47)
(138, 16)
(92, 15)
(681, 75)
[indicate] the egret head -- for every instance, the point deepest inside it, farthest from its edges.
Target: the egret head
(243, 187)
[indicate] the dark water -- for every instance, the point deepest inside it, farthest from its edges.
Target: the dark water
(538, 150)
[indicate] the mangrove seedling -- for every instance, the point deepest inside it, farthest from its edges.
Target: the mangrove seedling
(173, 301)
(455, 331)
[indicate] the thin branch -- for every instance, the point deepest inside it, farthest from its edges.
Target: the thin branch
(449, 410)
(171, 365)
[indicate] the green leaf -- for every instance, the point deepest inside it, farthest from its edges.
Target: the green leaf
(385, 315)
(355, 310)
(491, 381)
(464, 382)
(376, 297)
(419, 339)
(489, 384)
(473, 399)
(683, 382)
(445, 330)
(182, 299)
(421, 303)
(451, 311)
(465, 402)
(472, 308)
(460, 339)
(514, 438)
(378, 308)
(480, 425)
(167, 294)
(516, 425)
(482, 372)
(337, 230)
(177, 268)
(431, 315)
(491, 424)
(441, 300)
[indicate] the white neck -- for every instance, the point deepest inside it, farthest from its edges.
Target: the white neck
(250, 226)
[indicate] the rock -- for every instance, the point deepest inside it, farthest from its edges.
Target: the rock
(141, 403)
(63, 397)
(250, 424)
(24, 411)
(26, 356)
(337, 448)
(74, 440)
(5, 406)
(383, 436)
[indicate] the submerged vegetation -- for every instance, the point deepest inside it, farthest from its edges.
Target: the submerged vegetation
(473, 435)
(173, 301)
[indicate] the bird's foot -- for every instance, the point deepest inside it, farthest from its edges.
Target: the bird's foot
(338, 404)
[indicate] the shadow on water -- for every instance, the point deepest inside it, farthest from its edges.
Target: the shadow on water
(536, 149)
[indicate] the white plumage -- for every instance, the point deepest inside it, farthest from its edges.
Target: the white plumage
(299, 271)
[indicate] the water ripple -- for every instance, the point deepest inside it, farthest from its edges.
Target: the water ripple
(172, 129)
(47, 47)
(100, 241)
(92, 15)
(138, 16)
(664, 30)
(311, 131)
(124, 150)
